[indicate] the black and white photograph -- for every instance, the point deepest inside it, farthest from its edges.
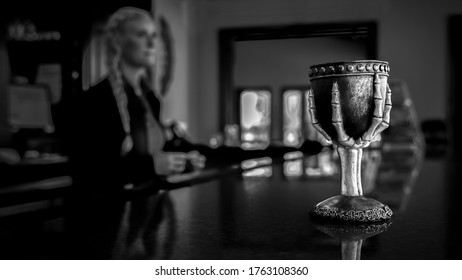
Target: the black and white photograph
(230, 139)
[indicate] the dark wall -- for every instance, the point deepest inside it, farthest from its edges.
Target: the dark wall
(74, 21)
(71, 12)
(72, 18)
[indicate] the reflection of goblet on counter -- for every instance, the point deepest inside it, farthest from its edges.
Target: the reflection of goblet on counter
(352, 236)
(350, 104)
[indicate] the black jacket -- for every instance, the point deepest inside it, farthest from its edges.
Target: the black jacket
(97, 135)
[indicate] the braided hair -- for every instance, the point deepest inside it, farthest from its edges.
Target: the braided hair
(114, 28)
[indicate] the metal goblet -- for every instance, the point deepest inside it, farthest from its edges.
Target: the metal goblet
(350, 104)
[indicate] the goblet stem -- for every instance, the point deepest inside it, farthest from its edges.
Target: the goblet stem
(350, 161)
(351, 249)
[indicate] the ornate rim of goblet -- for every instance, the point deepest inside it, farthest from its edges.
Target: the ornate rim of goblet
(348, 68)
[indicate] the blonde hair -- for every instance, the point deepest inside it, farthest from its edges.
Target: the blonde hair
(114, 28)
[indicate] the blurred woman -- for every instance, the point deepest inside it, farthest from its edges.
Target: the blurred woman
(120, 136)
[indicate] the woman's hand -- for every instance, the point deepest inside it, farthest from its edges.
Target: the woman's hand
(196, 159)
(167, 163)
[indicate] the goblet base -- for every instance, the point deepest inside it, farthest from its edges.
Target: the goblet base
(352, 209)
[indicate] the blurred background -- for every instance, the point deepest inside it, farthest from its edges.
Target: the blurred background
(232, 72)
(235, 73)
(59, 44)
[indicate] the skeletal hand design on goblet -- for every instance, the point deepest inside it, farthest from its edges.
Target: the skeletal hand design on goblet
(350, 104)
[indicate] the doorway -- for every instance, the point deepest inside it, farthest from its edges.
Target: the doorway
(278, 58)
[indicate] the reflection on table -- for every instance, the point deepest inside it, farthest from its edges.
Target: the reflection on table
(258, 209)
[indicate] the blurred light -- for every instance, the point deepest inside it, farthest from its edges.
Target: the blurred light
(254, 145)
(408, 102)
(255, 118)
(293, 168)
(129, 187)
(326, 163)
(248, 136)
(182, 125)
(323, 164)
(251, 163)
(216, 140)
(293, 155)
(314, 172)
(213, 142)
(231, 135)
(292, 117)
(261, 172)
(291, 138)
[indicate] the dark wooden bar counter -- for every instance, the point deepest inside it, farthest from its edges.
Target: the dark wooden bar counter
(255, 210)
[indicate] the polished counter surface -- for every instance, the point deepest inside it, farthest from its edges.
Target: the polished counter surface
(257, 210)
